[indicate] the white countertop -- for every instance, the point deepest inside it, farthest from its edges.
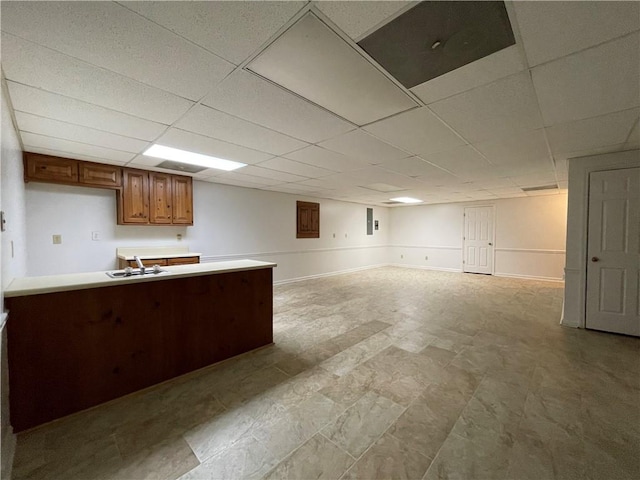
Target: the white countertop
(20, 287)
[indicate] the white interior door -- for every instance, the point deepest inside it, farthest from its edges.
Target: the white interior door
(613, 248)
(478, 240)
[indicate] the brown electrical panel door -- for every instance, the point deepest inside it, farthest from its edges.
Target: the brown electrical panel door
(161, 199)
(50, 169)
(134, 197)
(308, 220)
(182, 200)
(99, 175)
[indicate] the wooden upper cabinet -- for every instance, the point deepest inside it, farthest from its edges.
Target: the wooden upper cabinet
(143, 198)
(182, 188)
(133, 200)
(50, 169)
(161, 199)
(307, 220)
(153, 198)
(99, 175)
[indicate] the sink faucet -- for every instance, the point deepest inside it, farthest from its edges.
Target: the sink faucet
(140, 265)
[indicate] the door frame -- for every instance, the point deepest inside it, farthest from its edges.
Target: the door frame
(575, 296)
(493, 220)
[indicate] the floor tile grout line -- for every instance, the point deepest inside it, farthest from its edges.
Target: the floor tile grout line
(435, 457)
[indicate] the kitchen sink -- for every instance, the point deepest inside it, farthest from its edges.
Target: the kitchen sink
(135, 272)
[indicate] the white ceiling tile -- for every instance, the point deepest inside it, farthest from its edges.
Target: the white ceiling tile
(540, 193)
(561, 157)
(348, 192)
(216, 124)
(75, 155)
(294, 188)
(233, 30)
(359, 18)
(373, 175)
(634, 136)
(335, 181)
(314, 62)
(507, 191)
(535, 180)
(492, 111)
(30, 64)
(493, 183)
(417, 131)
(233, 182)
(593, 132)
(296, 168)
(57, 107)
(485, 70)
(252, 179)
(463, 162)
(551, 30)
(600, 80)
(362, 146)
(521, 147)
(54, 128)
(71, 148)
(327, 159)
(193, 142)
(112, 37)
(272, 174)
(417, 167)
(249, 97)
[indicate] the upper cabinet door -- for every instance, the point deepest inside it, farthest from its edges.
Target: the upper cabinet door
(182, 200)
(99, 175)
(161, 203)
(51, 169)
(134, 197)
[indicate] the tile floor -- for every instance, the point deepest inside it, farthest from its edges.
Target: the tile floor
(386, 373)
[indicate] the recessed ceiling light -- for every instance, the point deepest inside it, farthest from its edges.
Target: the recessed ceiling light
(405, 200)
(183, 156)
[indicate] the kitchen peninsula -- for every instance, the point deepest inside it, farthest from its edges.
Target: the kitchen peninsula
(78, 340)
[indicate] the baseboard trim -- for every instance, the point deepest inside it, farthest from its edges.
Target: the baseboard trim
(426, 267)
(329, 274)
(529, 277)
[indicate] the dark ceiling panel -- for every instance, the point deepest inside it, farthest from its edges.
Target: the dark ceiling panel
(467, 31)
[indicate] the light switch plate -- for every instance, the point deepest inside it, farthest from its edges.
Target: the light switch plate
(57, 239)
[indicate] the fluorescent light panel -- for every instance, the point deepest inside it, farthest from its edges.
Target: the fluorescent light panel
(191, 158)
(405, 200)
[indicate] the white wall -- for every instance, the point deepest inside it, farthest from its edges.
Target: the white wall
(12, 255)
(230, 222)
(529, 236)
(577, 221)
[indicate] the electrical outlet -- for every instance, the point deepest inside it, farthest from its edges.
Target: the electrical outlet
(179, 237)
(426, 258)
(95, 236)
(57, 239)
(401, 256)
(334, 235)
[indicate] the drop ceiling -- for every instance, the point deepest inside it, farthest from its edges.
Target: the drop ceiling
(102, 81)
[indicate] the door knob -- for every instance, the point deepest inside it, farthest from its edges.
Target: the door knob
(594, 259)
(490, 243)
